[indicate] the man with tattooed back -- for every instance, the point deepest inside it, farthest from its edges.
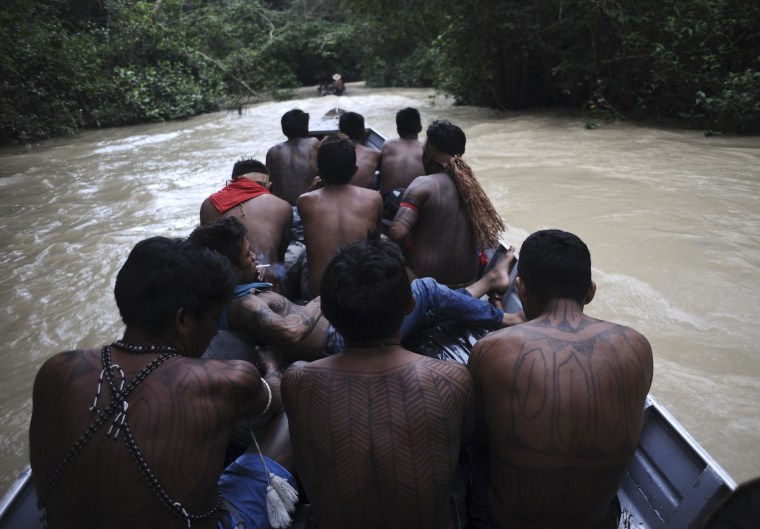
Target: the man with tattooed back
(376, 429)
(560, 399)
(134, 434)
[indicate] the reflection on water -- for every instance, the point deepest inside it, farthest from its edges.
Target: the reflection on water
(672, 219)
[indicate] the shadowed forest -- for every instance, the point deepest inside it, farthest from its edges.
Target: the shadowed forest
(66, 65)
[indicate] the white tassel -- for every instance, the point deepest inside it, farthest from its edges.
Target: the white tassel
(281, 496)
(281, 502)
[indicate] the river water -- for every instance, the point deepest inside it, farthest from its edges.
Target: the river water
(672, 219)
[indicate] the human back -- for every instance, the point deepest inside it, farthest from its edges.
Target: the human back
(442, 245)
(376, 429)
(401, 158)
(399, 431)
(173, 424)
(352, 125)
(562, 396)
(267, 218)
(445, 219)
(292, 163)
(179, 415)
(339, 213)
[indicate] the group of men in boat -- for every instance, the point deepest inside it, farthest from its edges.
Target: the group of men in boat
(314, 299)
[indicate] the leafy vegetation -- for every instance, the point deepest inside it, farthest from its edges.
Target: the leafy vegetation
(71, 64)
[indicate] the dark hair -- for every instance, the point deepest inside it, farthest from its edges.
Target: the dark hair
(336, 160)
(162, 276)
(365, 290)
(555, 264)
(248, 166)
(408, 121)
(295, 123)
(224, 236)
(446, 137)
(352, 125)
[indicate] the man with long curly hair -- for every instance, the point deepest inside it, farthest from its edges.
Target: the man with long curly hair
(446, 219)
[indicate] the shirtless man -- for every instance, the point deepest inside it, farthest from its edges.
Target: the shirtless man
(376, 429)
(301, 333)
(401, 159)
(561, 398)
(337, 214)
(445, 218)
(267, 218)
(261, 314)
(352, 125)
(292, 164)
(180, 413)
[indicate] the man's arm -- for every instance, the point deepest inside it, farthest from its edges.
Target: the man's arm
(250, 396)
(408, 213)
(208, 213)
(273, 319)
(269, 366)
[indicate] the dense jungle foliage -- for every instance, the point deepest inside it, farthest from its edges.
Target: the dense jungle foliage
(72, 64)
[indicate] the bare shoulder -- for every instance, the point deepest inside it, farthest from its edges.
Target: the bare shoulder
(502, 338)
(277, 202)
(296, 368)
(391, 145)
(306, 198)
(208, 212)
(230, 371)
(62, 365)
(627, 340)
(496, 346)
(454, 369)
(63, 359)
(308, 201)
(452, 374)
(368, 194)
(293, 376)
(421, 185)
(275, 149)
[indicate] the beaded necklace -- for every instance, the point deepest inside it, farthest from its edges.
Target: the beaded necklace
(118, 405)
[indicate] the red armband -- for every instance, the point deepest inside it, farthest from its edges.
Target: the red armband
(410, 206)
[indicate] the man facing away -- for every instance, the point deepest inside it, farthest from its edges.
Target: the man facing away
(266, 217)
(376, 429)
(445, 219)
(337, 214)
(561, 398)
(134, 434)
(352, 125)
(401, 158)
(292, 164)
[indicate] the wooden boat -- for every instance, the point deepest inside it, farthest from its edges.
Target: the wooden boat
(671, 482)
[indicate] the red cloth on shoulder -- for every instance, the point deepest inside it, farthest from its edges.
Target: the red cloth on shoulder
(237, 192)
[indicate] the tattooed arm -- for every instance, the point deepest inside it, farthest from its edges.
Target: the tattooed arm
(408, 214)
(273, 319)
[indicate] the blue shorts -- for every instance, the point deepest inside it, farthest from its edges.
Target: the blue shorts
(243, 485)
